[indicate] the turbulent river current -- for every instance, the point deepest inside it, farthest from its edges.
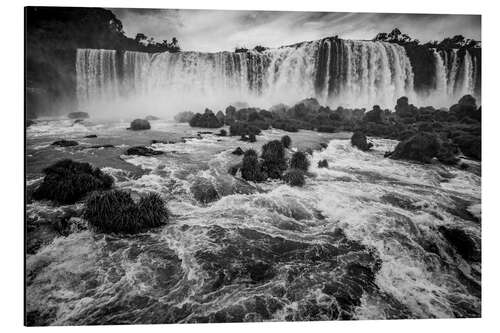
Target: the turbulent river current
(361, 240)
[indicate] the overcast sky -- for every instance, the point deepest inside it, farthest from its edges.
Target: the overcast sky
(216, 30)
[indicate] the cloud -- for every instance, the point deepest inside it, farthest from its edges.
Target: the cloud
(218, 30)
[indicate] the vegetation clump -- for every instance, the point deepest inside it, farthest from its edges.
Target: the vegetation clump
(139, 125)
(251, 168)
(274, 161)
(294, 177)
(423, 147)
(243, 128)
(286, 141)
(184, 117)
(66, 182)
(358, 140)
(205, 120)
(115, 211)
(299, 161)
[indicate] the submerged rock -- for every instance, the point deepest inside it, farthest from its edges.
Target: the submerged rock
(67, 181)
(323, 164)
(462, 242)
(65, 143)
(423, 147)
(91, 136)
(238, 151)
(142, 151)
(358, 140)
(204, 191)
(78, 115)
(139, 124)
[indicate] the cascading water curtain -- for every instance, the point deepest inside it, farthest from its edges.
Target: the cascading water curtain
(336, 72)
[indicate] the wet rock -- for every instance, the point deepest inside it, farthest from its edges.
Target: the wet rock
(358, 140)
(139, 125)
(91, 136)
(462, 242)
(67, 181)
(142, 151)
(78, 115)
(65, 143)
(323, 164)
(102, 146)
(424, 146)
(184, 117)
(204, 191)
(238, 151)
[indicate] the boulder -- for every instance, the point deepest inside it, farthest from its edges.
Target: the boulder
(139, 124)
(238, 151)
(65, 143)
(359, 141)
(423, 147)
(323, 164)
(142, 151)
(78, 115)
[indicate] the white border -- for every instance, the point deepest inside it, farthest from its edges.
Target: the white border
(11, 125)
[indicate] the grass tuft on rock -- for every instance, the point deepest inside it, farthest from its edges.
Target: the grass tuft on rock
(274, 161)
(299, 161)
(116, 212)
(67, 181)
(294, 177)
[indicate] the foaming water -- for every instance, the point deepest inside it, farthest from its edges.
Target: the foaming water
(359, 241)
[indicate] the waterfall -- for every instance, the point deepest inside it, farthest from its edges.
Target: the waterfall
(335, 71)
(96, 76)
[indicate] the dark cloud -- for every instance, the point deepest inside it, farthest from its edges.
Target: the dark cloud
(216, 30)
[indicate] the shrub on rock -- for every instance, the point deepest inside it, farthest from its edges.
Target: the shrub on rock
(115, 211)
(470, 145)
(222, 132)
(376, 115)
(243, 128)
(78, 115)
(274, 162)
(142, 151)
(423, 147)
(323, 164)
(139, 125)
(221, 117)
(65, 143)
(294, 177)
(251, 168)
(358, 140)
(205, 120)
(204, 191)
(286, 141)
(67, 181)
(184, 117)
(299, 161)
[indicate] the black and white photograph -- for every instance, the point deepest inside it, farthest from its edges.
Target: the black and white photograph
(187, 166)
